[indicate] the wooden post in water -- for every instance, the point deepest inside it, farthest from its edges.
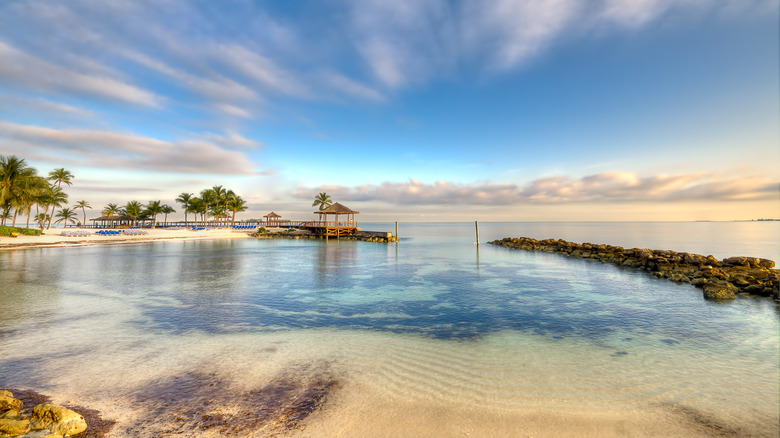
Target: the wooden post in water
(396, 229)
(476, 224)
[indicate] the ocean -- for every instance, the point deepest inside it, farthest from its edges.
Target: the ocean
(431, 336)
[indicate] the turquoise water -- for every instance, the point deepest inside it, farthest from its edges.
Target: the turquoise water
(440, 336)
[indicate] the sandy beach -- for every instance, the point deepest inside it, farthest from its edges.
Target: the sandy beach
(53, 238)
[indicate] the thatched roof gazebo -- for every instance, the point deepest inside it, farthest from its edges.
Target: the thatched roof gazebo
(272, 219)
(337, 210)
(113, 221)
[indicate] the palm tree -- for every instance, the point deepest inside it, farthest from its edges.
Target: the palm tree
(14, 175)
(110, 210)
(323, 200)
(209, 197)
(83, 205)
(67, 215)
(217, 211)
(32, 193)
(236, 204)
(227, 199)
(153, 208)
(184, 199)
(194, 207)
(133, 210)
(59, 176)
(54, 197)
(5, 214)
(42, 218)
(166, 210)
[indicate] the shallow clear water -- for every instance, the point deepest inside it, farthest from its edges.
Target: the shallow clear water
(436, 336)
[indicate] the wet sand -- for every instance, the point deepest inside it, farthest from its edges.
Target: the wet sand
(52, 238)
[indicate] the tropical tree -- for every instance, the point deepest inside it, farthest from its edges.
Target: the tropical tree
(201, 207)
(5, 214)
(209, 197)
(42, 218)
(83, 205)
(53, 197)
(166, 210)
(236, 204)
(133, 210)
(323, 200)
(14, 174)
(59, 176)
(184, 199)
(153, 208)
(217, 211)
(110, 210)
(66, 215)
(32, 193)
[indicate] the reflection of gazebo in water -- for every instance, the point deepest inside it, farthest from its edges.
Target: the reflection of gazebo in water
(272, 219)
(337, 226)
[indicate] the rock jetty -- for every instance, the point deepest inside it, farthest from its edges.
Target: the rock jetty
(365, 236)
(47, 421)
(719, 279)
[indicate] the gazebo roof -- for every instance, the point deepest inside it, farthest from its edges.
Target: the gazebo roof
(272, 214)
(337, 209)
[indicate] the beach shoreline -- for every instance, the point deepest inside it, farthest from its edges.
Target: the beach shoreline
(53, 238)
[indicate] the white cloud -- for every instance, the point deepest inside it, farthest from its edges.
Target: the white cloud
(233, 110)
(118, 150)
(22, 69)
(41, 105)
(359, 49)
(514, 31)
(349, 87)
(601, 188)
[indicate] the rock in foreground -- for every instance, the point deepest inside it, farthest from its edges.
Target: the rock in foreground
(48, 420)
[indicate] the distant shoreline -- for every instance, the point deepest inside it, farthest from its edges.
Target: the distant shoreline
(53, 239)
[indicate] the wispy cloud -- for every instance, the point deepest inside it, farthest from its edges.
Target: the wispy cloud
(84, 46)
(22, 69)
(119, 150)
(605, 187)
(43, 106)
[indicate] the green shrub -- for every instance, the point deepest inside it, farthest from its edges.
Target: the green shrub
(6, 231)
(262, 230)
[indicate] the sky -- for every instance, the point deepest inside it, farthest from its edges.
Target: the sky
(435, 110)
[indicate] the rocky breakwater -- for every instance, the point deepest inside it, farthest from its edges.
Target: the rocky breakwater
(719, 279)
(47, 420)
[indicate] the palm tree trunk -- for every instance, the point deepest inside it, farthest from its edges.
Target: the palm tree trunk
(14, 222)
(51, 216)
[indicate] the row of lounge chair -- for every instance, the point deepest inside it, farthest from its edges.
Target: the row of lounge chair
(132, 232)
(77, 233)
(109, 232)
(244, 227)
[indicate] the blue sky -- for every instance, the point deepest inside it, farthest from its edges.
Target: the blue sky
(405, 110)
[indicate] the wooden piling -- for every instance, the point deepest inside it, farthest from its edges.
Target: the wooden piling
(476, 225)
